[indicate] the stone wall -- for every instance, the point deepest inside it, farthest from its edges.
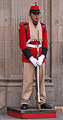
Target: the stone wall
(57, 49)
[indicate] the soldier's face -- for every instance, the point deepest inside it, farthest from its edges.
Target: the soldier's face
(34, 17)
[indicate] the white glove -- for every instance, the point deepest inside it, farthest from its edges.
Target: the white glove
(40, 60)
(34, 61)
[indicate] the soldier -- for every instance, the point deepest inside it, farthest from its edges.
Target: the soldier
(33, 33)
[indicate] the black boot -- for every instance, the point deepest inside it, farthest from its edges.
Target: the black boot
(46, 106)
(24, 106)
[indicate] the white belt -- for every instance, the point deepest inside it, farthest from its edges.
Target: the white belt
(34, 46)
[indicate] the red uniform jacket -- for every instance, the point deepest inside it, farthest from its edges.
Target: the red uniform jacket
(24, 37)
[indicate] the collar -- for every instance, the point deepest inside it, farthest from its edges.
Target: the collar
(35, 22)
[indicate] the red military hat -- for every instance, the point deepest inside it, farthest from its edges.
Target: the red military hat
(35, 9)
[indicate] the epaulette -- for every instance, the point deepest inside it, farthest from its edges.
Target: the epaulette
(26, 23)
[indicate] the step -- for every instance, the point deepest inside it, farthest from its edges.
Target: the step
(31, 113)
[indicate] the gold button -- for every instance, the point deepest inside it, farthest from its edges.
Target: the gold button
(36, 37)
(36, 30)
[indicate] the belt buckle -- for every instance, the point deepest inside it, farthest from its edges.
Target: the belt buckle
(37, 46)
(37, 42)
